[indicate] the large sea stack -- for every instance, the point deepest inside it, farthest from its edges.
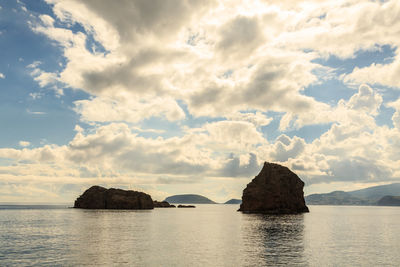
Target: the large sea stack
(275, 190)
(97, 197)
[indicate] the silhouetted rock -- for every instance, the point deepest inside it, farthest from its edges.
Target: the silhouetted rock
(389, 201)
(97, 197)
(275, 190)
(186, 206)
(162, 204)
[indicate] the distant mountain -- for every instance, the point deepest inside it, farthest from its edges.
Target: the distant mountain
(377, 192)
(189, 199)
(366, 196)
(334, 198)
(234, 201)
(389, 201)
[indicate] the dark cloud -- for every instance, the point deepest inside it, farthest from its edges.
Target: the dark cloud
(240, 36)
(133, 19)
(233, 168)
(206, 97)
(130, 75)
(354, 169)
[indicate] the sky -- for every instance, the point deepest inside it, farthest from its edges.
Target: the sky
(173, 96)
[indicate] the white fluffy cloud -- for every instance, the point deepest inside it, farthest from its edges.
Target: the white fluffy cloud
(114, 148)
(201, 58)
(217, 62)
(257, 118)
(353, 149)
(24, 143)
(396, 115)
(343, 27)
(365, 100)
(103, 109)
(227, 64)
(233, 136)
(2, 76)
(285, 148)
(384, 74)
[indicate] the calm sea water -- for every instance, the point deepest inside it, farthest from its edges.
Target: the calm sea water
(209, 235)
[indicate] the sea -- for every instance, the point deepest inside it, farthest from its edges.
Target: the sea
(208, 235)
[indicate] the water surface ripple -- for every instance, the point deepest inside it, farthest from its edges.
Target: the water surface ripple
(209, 235)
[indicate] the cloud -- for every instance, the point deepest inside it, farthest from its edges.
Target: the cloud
(222, 67)
(246, 166)
(384, 74)
(365, 100)
(145, 60)
(353, 149)
(36, 95)
(273, 81)
(342, 27)
(47, 20)
(361, 109)
(16, 192)
(103, 109)
(396, 115)
(2, 76)
(130, 21)
(240, 36)
(190, 60)
(173, 180)
(132, 39)
(233, 136)
(24, 143)
(361, 26)
(114, 149)
(35, 112)
(44, 79)
(234, 148)
(285, 148)
(257, 118)
(358, 169)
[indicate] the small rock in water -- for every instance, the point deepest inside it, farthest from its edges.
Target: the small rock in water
(162, 204)
(186, 206)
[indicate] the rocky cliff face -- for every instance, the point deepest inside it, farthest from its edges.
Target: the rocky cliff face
(97, 197)
(275, 190)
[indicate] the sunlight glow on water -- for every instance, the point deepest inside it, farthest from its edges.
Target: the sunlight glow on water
(210, 235)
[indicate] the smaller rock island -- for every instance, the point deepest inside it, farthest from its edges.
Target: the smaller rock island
(97, 197)
(186, 206)
(163, 204)
(275, 190)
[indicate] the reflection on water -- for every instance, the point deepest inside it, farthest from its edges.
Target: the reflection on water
(274, 240)
(210, 235)
(109, 237)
